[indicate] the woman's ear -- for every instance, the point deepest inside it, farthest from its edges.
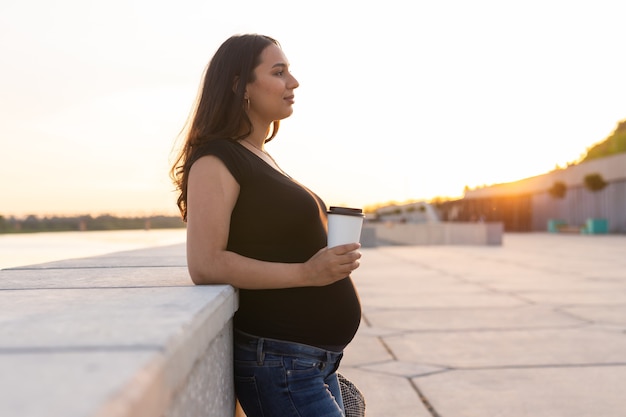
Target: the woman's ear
(235, 84)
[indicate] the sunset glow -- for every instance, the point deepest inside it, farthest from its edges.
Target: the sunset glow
(397, 100)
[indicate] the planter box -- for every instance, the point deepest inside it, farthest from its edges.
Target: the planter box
(597, 226)
(555, 224)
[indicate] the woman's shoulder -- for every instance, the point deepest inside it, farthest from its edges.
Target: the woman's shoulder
(231, 153)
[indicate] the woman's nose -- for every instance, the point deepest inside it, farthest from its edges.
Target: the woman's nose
(294, 82)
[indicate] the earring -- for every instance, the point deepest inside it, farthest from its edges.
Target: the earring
(247, 103)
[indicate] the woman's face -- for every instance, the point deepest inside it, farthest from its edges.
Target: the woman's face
(271, 94)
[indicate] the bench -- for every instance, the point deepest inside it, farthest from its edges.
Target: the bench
(567, 228)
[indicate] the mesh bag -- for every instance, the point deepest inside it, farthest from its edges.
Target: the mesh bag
(353, 400)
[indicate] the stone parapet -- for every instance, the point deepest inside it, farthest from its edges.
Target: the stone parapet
(120, 335)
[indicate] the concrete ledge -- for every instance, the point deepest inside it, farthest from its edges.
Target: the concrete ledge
(120, 335)
(444, 233)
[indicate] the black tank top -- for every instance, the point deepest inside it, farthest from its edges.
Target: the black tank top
(277, 219)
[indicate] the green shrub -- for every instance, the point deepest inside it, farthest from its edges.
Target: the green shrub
(558, 189)
(595, 182)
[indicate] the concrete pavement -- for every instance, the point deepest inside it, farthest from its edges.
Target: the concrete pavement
(535, 327)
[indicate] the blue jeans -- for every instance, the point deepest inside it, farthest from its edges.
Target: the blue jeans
(275, 378)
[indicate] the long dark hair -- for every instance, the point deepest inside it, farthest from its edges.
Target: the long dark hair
(220, 107)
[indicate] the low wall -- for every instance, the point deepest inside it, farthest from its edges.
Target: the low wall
(442, 233)
(120, 335)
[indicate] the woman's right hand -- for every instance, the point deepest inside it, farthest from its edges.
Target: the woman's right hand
(329, 265)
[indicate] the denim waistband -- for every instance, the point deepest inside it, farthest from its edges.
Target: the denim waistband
(281, 347)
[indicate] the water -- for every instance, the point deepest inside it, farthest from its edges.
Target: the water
(33, 248)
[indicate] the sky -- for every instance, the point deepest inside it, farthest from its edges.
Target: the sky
(398, 100)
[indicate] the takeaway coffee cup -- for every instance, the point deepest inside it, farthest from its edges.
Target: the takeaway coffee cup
(344, 225)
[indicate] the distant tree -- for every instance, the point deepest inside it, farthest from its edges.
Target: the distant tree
(594, 182)
(558, 189)
(615, 143)
(33, 223)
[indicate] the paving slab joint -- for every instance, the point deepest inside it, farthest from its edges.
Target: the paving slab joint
(423, 399)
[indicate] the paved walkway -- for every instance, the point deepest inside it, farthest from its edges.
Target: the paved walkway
(535, 327)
